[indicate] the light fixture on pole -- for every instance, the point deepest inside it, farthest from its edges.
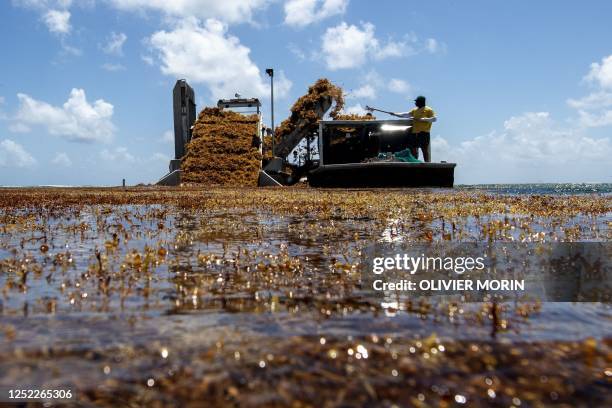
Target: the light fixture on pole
(270, 72)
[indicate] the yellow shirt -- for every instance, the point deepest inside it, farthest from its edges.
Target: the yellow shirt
(418, 113)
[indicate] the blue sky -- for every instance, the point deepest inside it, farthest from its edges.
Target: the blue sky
(522, 89)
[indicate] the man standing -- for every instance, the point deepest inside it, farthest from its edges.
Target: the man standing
(422, 117)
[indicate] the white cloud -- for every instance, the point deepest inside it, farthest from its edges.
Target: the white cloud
(62, 159)
(2, 114)
(147, 59)
(398, 86)
(70, 50)
(119, 154)
(229, 11)
(599, 119)
(54, 13)
(19, 128)
(391, 49)
(530, 148)
(434, 46)
(300, 13)
(76, 119)
(356, 109)
(114, 44)
(14, 155)
(369, 85)
(297, 51)
(366, 91)
(43, 4)
(372, 83)
(349, 46)
(594, 109)
(533, 147)
(206, 53)
(601, 73)
(160, 157)
(112, 67)
(167, 137)
(595, 100)
(57, 21)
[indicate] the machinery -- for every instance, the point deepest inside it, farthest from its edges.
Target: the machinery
(336, 153)
(184, 107)
(352, 153)
(360, 154)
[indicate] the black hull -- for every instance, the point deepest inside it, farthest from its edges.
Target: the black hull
(383, 174)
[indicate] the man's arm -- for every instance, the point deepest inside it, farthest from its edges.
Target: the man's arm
(406, 115)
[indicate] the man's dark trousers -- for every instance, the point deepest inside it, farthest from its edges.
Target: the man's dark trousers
(421, 140)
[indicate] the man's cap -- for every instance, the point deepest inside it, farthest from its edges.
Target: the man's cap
(419, 98)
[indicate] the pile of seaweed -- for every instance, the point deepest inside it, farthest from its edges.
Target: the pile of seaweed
(305, 107)
(354, 116)
(304, 111)
(222, 150)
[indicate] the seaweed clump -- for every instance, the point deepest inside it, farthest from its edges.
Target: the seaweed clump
(354, 116)
(308, 110)
(304, 111)
(222, 150)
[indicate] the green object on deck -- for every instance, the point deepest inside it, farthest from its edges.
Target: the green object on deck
(406, 156)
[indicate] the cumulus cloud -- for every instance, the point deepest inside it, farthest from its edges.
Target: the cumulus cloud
(205, 53)
(347, 46)
(43, 4)
(297, 51)
(57, 21)
(366, 91)
(19, 128)
(356, 109)
(13, 154)
(118, 154)
(594, 109)
(167, 137)
(76, 119)
(121, 155)
(595, 100)
(160, 157)
(229, 11)
(529, 148)
(434, 46)
(398, 86)
(62, 159)
(601, 73)
(2, 114)
(372, 83)
(350, 46)
(114, 44)
(147, 59)
(54, 13)
(533, 147)
(300, 13)
(599, 119)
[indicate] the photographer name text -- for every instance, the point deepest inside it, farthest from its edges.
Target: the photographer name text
(457, 265)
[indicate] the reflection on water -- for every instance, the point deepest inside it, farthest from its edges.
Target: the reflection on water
(543, 188)
(238, 292)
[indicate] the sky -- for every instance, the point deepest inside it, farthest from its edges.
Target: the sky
(522, 89)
